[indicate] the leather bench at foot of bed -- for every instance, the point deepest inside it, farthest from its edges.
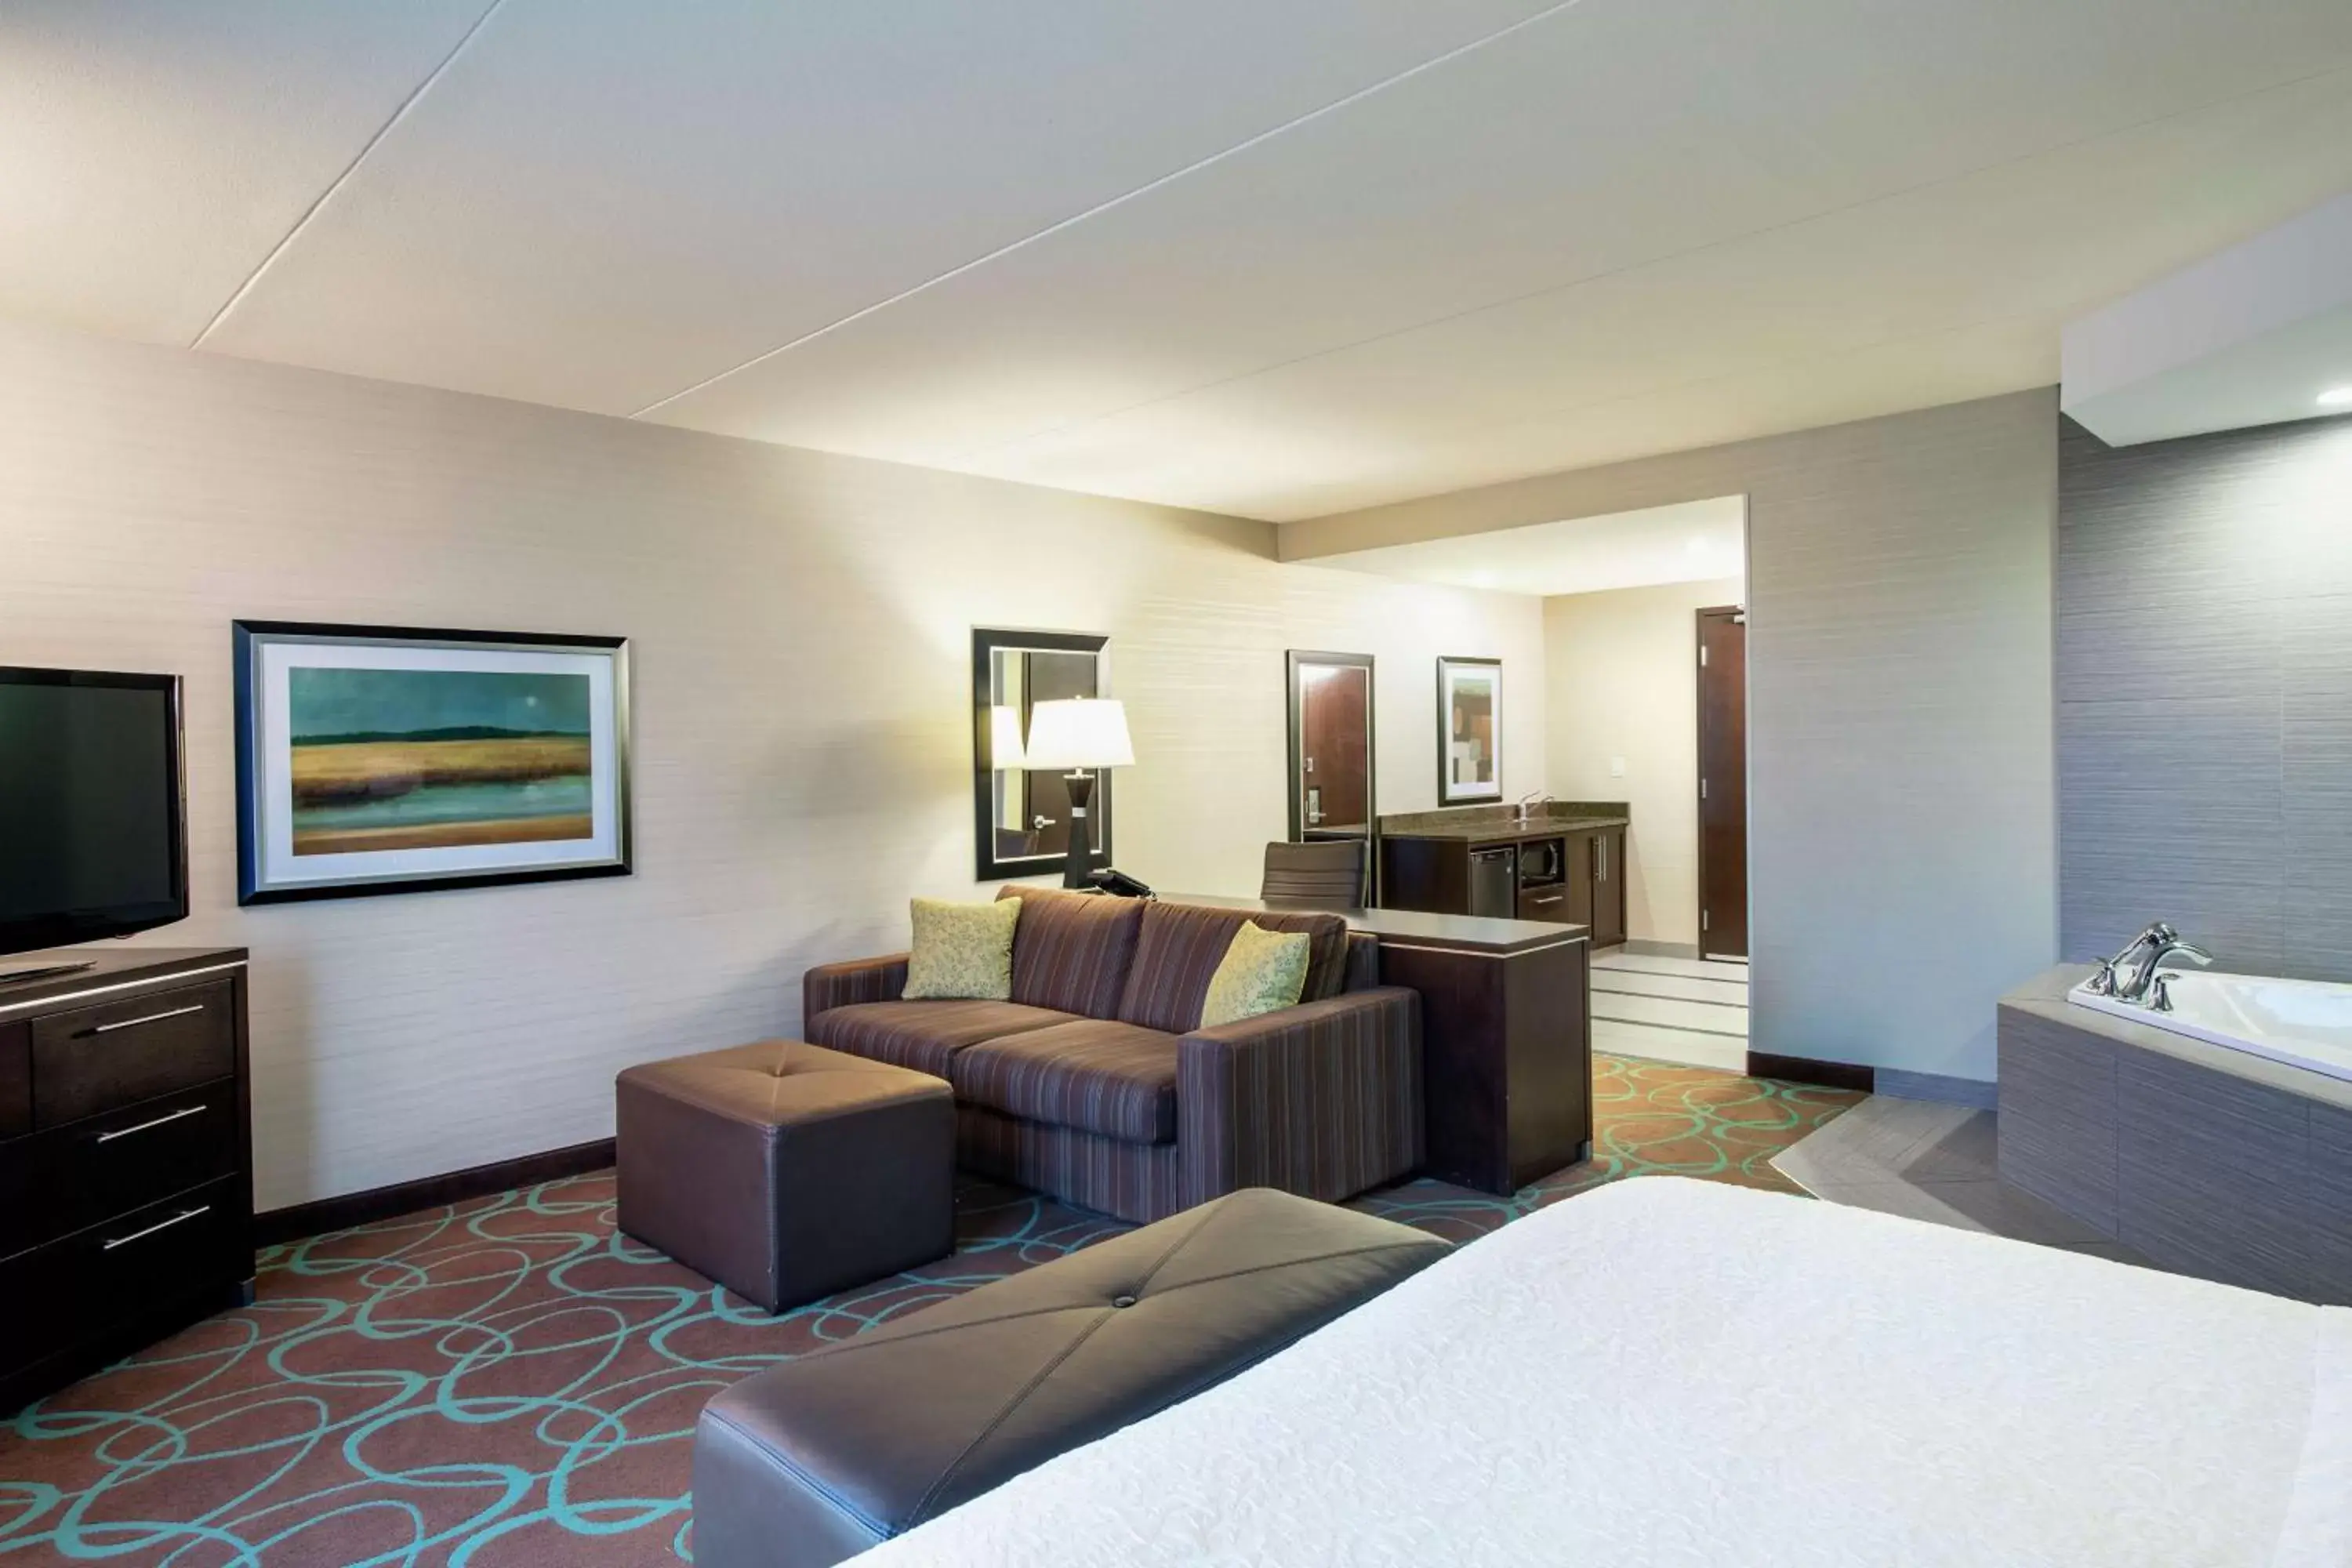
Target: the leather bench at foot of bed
(820, 1458)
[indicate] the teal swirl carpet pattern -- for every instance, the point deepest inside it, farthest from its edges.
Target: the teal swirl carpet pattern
(511, 1382)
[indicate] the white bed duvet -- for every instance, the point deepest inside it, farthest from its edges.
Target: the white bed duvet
(1667, 1372)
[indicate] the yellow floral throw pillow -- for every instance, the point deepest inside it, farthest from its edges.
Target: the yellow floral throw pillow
(1262, 971)
(961, 952)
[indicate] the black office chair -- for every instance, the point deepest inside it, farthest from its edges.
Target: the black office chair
(1328, 872)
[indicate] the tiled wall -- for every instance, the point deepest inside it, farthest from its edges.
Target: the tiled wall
(2205, 694)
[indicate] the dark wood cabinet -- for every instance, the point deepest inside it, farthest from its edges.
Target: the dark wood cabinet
(1605, 854)
(1570, 873)
(126, 1158)
(1507, 1048)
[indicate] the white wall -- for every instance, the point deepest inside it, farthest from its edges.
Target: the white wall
(1623, 682)
(800, 627)
(1902, 839)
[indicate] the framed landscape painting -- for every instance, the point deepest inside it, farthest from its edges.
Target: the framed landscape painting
(386, 759)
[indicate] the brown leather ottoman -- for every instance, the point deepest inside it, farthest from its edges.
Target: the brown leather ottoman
(785, 1171)
(816, 1460)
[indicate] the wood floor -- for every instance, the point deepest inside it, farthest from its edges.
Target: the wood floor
(1670, 1008)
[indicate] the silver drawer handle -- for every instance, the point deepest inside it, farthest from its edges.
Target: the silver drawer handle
(1553, 899)
(127, 1131)
(164, 1224)
(150, 1018)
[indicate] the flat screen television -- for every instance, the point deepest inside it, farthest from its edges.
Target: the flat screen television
(92, 823)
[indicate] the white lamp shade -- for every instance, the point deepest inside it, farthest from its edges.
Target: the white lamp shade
(1005, 750)
(1080, 732)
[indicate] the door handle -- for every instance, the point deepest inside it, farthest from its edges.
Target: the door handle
(127, 1131)
(164, 1224)
(150, 1018)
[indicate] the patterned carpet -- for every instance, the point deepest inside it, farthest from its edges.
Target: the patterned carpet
(510, 1381)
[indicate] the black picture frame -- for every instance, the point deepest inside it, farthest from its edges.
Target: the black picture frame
(1300, 830)
(988, 866)
(249, 637)
(1448, 792)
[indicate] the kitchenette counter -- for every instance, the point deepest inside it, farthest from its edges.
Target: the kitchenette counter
(1564, 862)
(1503, 830)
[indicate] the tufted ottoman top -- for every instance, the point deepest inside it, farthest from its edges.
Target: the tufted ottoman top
(777, 1083)
(821, 1458)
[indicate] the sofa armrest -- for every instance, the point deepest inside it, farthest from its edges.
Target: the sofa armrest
(830, 985)
(1323, 1100)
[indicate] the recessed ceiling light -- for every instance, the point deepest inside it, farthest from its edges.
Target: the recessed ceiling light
(2336, 397)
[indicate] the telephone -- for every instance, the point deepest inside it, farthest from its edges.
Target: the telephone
(1120, 885)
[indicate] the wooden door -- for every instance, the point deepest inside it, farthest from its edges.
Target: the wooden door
(1723, 783)
(1335, 749)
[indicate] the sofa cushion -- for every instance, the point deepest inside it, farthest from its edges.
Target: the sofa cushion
(924, 1036)
(1181, 945)
(1095, 1075)
(1071, 951)
(961, 952)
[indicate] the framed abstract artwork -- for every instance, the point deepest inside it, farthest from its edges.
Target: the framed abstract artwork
(1469, 731)
(394, 759)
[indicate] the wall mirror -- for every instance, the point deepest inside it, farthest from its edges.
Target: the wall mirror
(1021, 816)
(1469, 731)
(1331, 790)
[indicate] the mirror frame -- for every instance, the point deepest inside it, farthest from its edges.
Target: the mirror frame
(1448, 792)
(986, 643)
(1299, 831)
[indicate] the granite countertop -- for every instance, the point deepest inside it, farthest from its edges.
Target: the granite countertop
(1468, 933)
(1500, 823)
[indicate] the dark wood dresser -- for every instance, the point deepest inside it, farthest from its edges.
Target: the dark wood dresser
(126, 1157)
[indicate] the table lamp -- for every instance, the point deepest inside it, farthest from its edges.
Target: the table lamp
(1078, 733)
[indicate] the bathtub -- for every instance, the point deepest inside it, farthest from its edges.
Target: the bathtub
(2304, 1022)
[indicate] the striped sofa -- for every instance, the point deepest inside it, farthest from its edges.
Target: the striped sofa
(1095, 1083)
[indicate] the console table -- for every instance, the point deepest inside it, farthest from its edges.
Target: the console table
(126, 1154)
(1506, 1037)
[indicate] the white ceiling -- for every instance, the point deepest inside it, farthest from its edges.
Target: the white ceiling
(2259, 334)
(1697, 541)
(1272, 256)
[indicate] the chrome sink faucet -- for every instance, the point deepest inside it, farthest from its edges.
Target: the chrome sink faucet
(2131, 976)
(1531, 796)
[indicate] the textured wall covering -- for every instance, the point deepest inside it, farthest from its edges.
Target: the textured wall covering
(801, 627)
(1623, 683)
(2205, 694)
(1902, 826)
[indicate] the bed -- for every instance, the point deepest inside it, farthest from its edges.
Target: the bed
(1669, 1372)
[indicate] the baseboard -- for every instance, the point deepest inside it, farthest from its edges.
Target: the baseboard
(324, 1214)
(1648, 948)
(1805, 1070)
(1897, 1084)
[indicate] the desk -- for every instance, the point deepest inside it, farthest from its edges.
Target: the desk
(1507, 1040)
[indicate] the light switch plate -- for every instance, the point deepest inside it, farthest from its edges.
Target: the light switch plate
(1616, 767)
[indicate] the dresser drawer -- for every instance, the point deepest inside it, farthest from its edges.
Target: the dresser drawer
(124, 1160)
(1545, 903)
(83, 1287)
(96, 1060)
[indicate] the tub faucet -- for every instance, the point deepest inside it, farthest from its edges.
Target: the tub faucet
(2133, 970)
